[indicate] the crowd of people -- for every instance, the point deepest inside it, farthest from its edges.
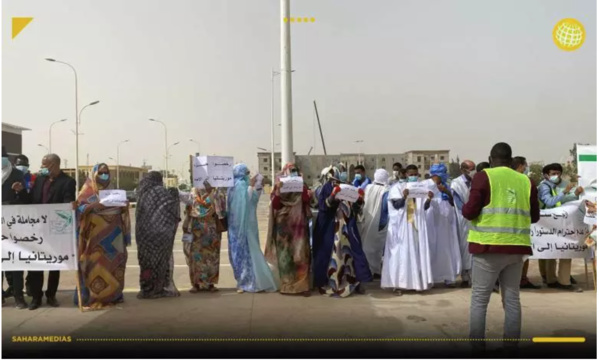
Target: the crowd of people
(472, 231)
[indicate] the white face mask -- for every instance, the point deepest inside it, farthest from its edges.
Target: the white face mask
(472, 173)
(396, 174)
(22, 168)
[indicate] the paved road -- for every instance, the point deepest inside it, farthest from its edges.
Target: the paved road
(439, 313)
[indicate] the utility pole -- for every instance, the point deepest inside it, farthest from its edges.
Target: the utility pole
(286, 99)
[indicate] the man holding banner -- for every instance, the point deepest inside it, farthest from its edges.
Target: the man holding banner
(551, 197)
(52, 187)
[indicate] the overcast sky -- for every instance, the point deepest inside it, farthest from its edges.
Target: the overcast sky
(398, 74)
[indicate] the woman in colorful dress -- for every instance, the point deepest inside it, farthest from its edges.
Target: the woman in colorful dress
(103, 234)
(157, 218)
(288, 238)
(202, 252)
(348, 266)
(249, 266)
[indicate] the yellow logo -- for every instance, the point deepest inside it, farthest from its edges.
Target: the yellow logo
(569, 34)
(19, 24)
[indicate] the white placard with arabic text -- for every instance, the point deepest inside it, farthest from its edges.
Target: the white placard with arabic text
(113, 198)
(292, 184)
(560, 233)
(419, 190)
(348, 193)
(217, 170)
(38, 237)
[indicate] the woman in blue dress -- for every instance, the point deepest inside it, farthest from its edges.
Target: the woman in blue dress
(249, 265)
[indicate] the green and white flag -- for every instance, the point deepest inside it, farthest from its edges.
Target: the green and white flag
(586, 155)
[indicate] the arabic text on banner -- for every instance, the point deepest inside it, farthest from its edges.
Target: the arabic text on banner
(560, 233)
(38, 237)
(348, 193)
(419, 190)
(217, 170)
(113, 198)
(292, 184)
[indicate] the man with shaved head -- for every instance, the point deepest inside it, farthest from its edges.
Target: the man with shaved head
(460, 188)
(52, 186)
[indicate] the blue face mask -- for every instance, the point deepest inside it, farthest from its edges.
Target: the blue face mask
(359, 176)
(412, 178)
(44, 171)
(5, 162)
(343, 177)
(403, 180)
(104, 177)
(294, 174)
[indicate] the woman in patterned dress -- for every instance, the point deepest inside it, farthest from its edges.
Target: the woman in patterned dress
(202, 253)
(157, 218)
(288, 238)
(348, 266)
(247, 260)
(103, 234)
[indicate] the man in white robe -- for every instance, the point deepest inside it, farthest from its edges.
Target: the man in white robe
(407, 260)
(460, 188)
(373, 226)
(443, 237)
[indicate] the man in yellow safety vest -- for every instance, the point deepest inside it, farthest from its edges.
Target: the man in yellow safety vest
(551, 196)
(502, 205)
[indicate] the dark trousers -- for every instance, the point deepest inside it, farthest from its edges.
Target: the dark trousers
(35, 279)
(8, 276)
(16, 282)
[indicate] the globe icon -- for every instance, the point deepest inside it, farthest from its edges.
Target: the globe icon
(569, 34)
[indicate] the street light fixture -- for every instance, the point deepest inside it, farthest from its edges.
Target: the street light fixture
(47, 149)
(167, 156)
(118, 173)
(81, 111)
(50, 134)
(76, 120)
(196, 142)
(165, 145)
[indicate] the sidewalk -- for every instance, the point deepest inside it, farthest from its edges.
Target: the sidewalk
(440, 313)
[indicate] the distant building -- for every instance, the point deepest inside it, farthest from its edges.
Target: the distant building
(171, 181)
(129, 176)
(311, 166)
(425, 158)
(12, 138)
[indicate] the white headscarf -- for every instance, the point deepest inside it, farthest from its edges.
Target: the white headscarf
(381, 176)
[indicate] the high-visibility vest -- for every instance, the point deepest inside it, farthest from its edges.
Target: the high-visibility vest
(554, 194)
(506, 220)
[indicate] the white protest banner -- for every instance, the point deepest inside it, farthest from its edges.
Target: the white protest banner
(586, 157)
(292, 184)
(348, 193)
(419, 190)
(113, 198)
(560, 233)
(217, 170)
(590, 218)
(38, 237)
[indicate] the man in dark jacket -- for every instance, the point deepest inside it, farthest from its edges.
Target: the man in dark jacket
(52, 186)
(13, 194)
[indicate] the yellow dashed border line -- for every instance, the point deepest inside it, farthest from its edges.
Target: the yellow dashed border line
(301, 340)
(299, 20)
